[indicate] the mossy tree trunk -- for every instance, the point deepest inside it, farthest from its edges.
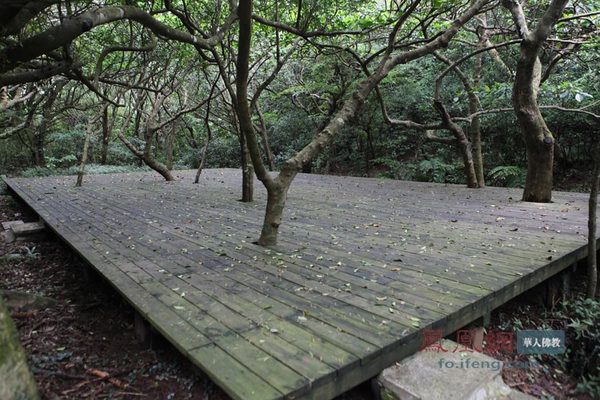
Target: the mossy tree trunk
(16, 381)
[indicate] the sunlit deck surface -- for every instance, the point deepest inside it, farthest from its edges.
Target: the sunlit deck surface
(362, 267)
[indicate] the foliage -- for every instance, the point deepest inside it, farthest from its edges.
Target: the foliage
(579, 317)
(582, 356)
(90, 169)
(507, 175)
(31, 253)
(313, 82)
(435, 170)
(62, 162)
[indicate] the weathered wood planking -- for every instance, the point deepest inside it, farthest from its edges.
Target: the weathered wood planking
(363, 265)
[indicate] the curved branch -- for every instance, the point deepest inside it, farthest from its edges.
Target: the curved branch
(549, 107)
(72, 28)
(34, 75)
(151, 46)
(474, 53)
(25, 13)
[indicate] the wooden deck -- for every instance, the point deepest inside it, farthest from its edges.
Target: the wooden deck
(363, 266)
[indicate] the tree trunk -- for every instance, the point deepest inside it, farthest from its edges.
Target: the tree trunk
(592, 250)
(265, 139)
(464, 147)
(39, 140)
(276, 198)
(16, 381)
(158, 167)
(267, 148)
(462, 143)
(105, 137)
(539, 142)
(540, 160)
(475, 136)
(84, 153)
(146, 157)
(277, 188)
(475, 125)
(202, 159)
(169, 148)
(247, 177)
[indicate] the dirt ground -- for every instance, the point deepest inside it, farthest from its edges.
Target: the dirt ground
(85, 347)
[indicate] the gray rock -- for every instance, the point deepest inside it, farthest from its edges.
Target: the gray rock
(433, 374)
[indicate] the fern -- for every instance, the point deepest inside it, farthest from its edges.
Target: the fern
(507, 175)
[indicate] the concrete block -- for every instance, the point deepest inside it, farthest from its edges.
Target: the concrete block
(28, 228)
(7, 224)
(8, 236)
(433, 374)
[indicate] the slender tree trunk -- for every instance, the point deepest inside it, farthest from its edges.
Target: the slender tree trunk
(267, 148)
(136, 128)
(169, 148)
(148, 156)
(39, 142)
(105, 137)
(39, 138)
(160, 168)
(16, 381)
(592, 250)
(461, 140)
(462, 143)
(464, 147)
(475, 125)
(247, 177)
(84, 154)
(265, 139)
(370, 144)
(203, 155)
(247, 170)
(475, 135)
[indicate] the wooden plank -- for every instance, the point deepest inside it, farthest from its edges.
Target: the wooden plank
(183, 257)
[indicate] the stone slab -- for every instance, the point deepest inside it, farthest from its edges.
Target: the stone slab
(453, 375)
(7, 224)
(28, 228)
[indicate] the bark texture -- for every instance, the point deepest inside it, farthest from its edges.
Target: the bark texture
(539, 141)
(16, 381)
(592, 248)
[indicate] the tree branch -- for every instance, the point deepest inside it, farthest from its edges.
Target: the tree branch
(72, 28)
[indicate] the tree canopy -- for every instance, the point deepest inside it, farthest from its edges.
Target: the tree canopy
(477, 92)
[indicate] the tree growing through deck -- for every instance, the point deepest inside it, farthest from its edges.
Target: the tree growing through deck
(277, 188)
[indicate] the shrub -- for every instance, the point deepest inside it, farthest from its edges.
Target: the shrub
(582, 356)
(507, 175)
(435, 170)
(90, 169)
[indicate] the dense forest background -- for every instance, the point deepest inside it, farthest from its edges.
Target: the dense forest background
(125, 81)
